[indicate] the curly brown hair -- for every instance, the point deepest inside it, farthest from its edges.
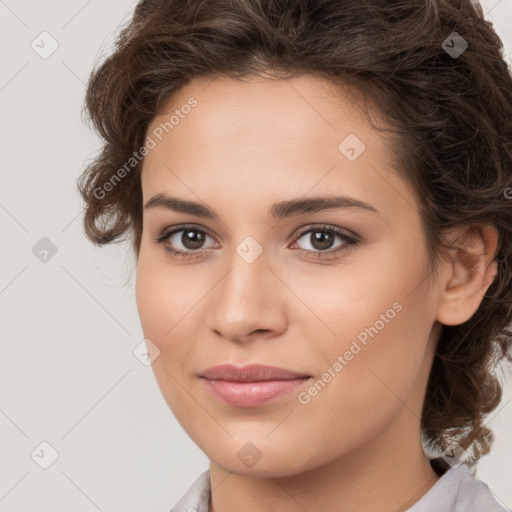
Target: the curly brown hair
(449, 116)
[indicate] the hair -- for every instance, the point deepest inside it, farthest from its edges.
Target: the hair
(450, 117)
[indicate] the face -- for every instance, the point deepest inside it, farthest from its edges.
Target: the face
(340, 295)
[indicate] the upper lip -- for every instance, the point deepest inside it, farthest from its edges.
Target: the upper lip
(250, 373)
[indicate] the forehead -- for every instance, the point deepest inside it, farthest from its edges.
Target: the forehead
(261, 137)
(293, 106)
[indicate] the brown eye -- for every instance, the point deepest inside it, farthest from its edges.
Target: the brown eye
(184, 241)
(188, 242)
(192, 238)
(321, 239)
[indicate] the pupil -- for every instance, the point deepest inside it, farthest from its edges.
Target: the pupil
(321, 239)
(192, 239)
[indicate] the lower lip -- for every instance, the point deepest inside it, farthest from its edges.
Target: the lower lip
(251, 394)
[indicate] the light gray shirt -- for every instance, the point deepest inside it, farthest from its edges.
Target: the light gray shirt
(456, 491)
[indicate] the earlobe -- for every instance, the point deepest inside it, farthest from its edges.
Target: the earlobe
(469, 274)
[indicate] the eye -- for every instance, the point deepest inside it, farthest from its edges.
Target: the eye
(322, 238)
(184, 241)
(187, 242)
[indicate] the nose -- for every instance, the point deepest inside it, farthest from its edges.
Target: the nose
(248, 302)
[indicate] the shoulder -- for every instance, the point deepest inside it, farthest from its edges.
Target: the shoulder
(458, 491)
(475, 494)
(197, 497)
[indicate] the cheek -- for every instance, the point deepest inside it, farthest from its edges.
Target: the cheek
(164, 297)
(362, 391)
(160, 307)
(378, 325)
(162, 314)
(169, 306)
(148, 294)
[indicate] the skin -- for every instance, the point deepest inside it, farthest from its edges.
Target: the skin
(356, 445)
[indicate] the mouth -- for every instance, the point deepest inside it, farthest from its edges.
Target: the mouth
(251, 386)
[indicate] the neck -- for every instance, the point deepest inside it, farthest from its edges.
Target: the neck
(388, 475)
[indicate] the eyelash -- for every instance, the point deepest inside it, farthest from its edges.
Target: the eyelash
(188, 255)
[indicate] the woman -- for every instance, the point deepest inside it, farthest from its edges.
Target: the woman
(318, 195)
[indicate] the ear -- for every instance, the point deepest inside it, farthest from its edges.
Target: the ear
(468, 273)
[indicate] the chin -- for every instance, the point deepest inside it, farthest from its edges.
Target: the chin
(259, 458)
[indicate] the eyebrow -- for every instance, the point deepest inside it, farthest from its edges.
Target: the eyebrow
(278, 210)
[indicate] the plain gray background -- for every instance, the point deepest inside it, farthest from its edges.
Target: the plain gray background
(69, 324)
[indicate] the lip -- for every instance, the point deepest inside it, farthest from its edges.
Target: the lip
(250, 373)
(252, 385)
